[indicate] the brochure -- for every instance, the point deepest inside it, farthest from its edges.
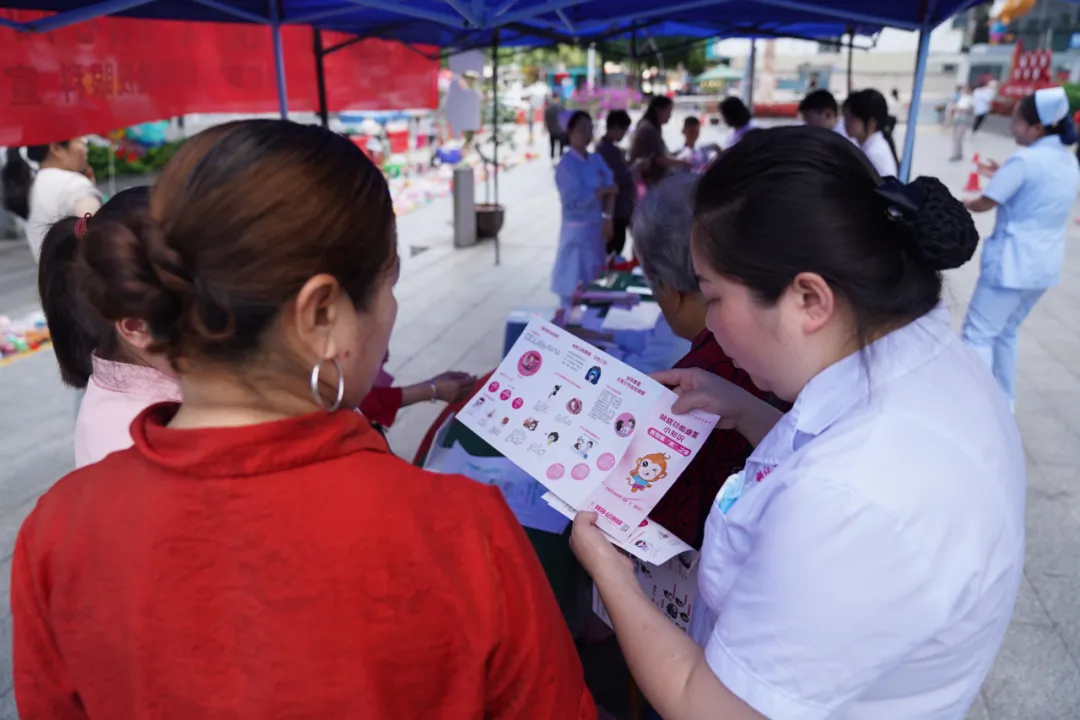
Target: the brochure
(671, 586)
(592, 430)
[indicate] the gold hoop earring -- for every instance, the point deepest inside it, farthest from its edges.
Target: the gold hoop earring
(315, 371)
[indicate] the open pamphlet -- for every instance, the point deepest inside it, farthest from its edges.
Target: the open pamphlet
(597, 434)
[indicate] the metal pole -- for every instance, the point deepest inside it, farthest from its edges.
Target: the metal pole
(850, 58)
(279, 59)
(495, 122)
(751, 68)
(320, 77)
(590, 72)
(916, 96)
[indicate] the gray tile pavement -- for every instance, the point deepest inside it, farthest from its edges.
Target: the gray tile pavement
(452, 308)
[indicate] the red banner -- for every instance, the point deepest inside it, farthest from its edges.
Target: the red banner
(112, 73)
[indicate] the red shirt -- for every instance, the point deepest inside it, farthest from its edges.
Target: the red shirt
(293, 569)
(382, 405)
(685, 506)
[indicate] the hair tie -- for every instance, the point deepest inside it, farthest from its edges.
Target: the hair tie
(81, 226)
(1066, 130)
(900, 199)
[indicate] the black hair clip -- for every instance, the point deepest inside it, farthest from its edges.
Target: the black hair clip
(900, 199)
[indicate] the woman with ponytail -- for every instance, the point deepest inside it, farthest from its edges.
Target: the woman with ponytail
(867, 121)
(1033, 193)
(108, 362)
(62, 186)
(104, 362)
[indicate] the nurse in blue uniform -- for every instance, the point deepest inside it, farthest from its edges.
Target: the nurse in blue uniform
(587, 193)
(1033, 193)
(866, 561)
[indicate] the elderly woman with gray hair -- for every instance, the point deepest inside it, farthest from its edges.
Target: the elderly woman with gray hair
(662, 224)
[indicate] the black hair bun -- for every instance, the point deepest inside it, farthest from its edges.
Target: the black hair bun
(940, 231)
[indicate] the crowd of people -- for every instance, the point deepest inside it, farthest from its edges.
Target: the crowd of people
(239, 541)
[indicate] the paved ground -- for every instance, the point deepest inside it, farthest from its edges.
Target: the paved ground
(453, 304)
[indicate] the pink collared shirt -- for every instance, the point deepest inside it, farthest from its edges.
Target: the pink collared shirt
(116, 394)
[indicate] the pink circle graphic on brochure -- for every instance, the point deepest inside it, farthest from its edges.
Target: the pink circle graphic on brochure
(505, 395)
(605, 462)
(555, 472)
(493, 387)
(518, 402)
(530, 363)
(580, 471)
(624, 425)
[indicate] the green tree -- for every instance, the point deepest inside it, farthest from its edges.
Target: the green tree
(675, 50)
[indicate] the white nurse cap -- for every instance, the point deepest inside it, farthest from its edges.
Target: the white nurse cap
(1052, 105)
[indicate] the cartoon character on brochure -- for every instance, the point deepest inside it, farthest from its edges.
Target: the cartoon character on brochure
(647, 470)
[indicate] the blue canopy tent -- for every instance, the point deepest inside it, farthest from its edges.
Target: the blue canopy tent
(474, 23)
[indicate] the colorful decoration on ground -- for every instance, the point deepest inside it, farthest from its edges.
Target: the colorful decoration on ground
(416, 191)
(21, 337)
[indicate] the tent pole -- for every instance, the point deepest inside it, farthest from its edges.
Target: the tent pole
(320, 76)
(751, 70)
(916, 94)
(279, 59)
(495, 122)
(850, 58)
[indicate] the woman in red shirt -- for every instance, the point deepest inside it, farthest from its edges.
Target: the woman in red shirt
(259, 553)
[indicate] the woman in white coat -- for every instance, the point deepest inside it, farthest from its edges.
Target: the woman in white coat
(1033, 194)
(587, 193)
(865, 562)
(62, 186)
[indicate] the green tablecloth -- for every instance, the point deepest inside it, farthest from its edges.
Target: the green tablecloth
(621, 281)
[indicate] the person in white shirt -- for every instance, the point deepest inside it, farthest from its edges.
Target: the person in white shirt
(867, 121)
(696, 157)
(737, 117)
(962, 118)
(61, 187)
(982, 103)
(1033, 193)
(866, 561)
(819, 108)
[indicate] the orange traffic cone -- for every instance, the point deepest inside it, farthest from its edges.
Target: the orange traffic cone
(973, 179)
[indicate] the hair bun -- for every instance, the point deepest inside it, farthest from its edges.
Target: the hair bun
(129, 271)
(945, 232)
(940, 231)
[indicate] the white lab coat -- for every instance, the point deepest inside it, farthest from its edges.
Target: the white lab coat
(866, 562)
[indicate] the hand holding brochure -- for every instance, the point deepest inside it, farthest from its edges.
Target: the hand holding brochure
(593, 431)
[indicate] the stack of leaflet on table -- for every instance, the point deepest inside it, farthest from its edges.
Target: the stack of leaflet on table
(640, 317)
(597, 434)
